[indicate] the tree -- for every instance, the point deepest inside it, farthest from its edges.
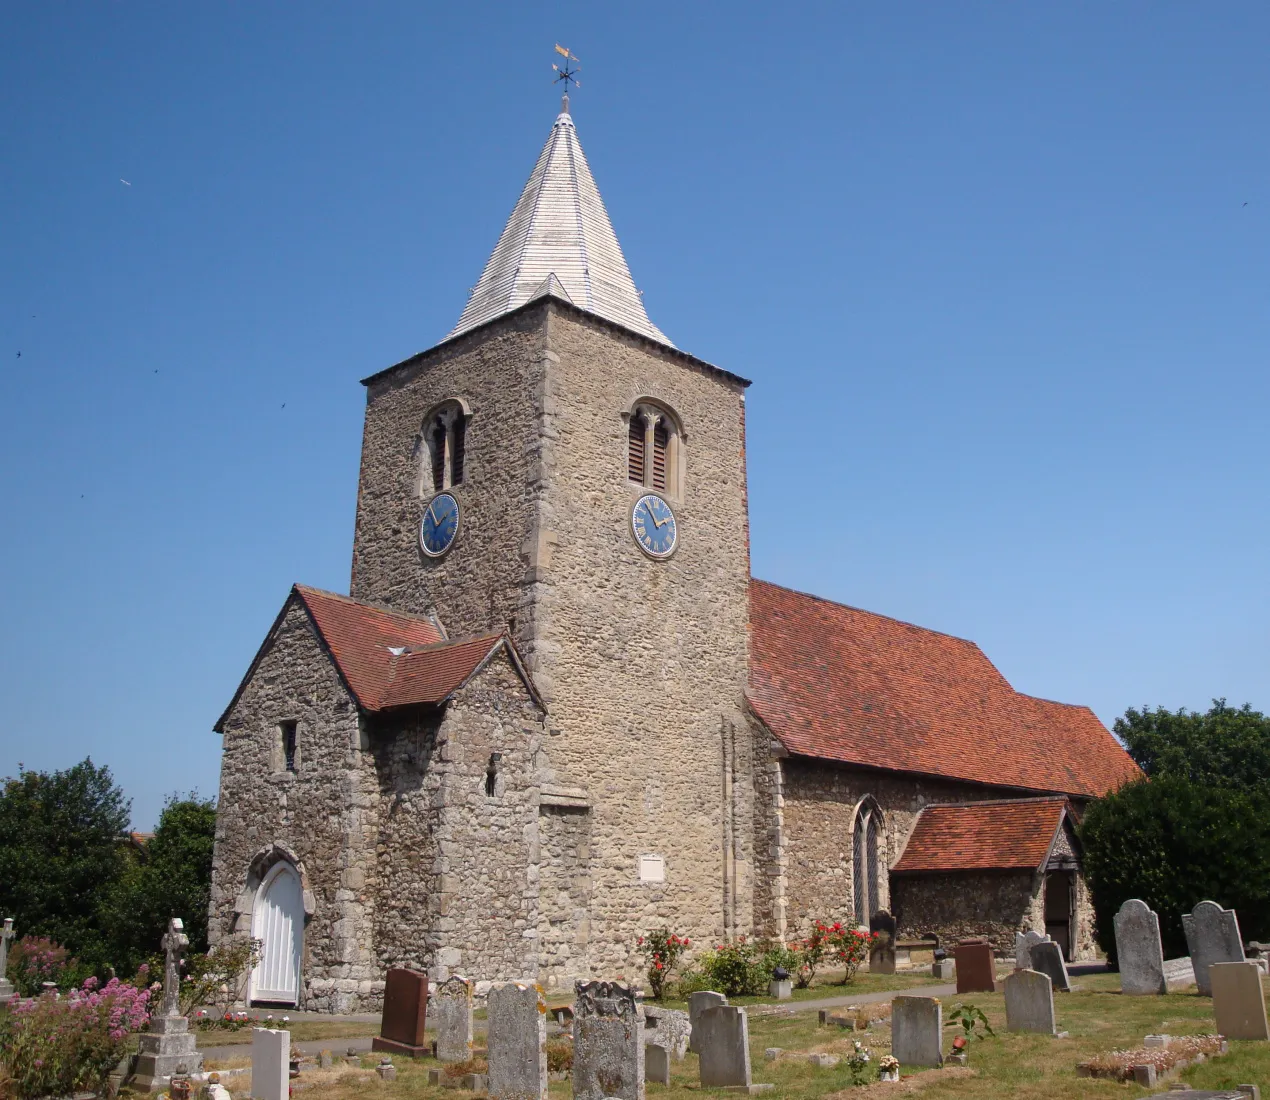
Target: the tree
(60, 852)
(171, 878)
(1198, 827)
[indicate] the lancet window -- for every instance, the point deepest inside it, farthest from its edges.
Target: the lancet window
(445, 439)
(654, 450)
(868, 863)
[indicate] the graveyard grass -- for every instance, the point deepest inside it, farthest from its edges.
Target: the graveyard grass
(1029, 1067)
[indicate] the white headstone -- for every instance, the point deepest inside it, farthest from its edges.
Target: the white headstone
(656, 1064)
(6, 934)
(450, 1012)
(917, 1031)
(270, 1064)
(1212, 936)
(1029, 1002)
(1138, 949)
(1023, 942)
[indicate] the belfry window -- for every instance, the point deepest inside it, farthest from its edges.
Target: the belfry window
(654, 450)
(445, 439)
(868, 865)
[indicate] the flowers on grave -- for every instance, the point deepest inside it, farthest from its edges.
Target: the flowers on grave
(61, 1045)
(662, 951)
(858, 1063)
(888, 1068)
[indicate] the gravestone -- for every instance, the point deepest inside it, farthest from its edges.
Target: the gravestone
(1047, 957)
(1138, 949)
(882, 951)
(404, 1014)
(270, 1064)
(1023, 942)
(697, 1004)
(976, 968)
(168, 1046)
(669, 1028)
(6, 934)
(517, 1041)
(917, 1030)
(1212, 936)
(1029, 1002)
(1239, 1005)
(722, 1035)
(451, 1013)
(608, 1042)
(656, 1064)
(1179, 973)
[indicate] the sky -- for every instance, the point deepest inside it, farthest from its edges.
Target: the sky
(999, 273)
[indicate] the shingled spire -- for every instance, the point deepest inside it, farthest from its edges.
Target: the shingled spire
(559, 237)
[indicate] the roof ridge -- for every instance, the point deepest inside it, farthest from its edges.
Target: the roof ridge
(875, 614)
(1021, 801)
(368, 604)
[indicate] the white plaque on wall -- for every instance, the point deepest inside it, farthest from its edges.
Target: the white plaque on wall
(652, 868)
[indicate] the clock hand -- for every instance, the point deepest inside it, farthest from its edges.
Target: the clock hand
(433, 514)
(658, 522)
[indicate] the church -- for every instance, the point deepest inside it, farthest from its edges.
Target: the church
(556, 710)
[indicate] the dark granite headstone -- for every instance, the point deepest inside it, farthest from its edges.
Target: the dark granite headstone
(882, 952)
(405, 1009)
(976, 968)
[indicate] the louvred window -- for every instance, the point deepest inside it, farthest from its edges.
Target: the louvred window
(635, 450)
(661, 439)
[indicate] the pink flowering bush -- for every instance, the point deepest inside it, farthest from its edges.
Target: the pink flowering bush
(59, 1046)
(34, 960)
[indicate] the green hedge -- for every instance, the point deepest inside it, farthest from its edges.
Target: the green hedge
(1173, 842)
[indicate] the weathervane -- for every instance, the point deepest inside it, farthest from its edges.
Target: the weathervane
(566, 74)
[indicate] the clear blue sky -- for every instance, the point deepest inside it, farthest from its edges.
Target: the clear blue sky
(999, 272)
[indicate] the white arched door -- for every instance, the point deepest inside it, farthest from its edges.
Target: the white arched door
(278, 923)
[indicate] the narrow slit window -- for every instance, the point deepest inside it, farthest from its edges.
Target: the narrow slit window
(635, 450)
(491, 774)
(438, 456)
(460, 448)
(288, 730)
(661, 442)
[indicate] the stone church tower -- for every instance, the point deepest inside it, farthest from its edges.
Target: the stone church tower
(553, 406)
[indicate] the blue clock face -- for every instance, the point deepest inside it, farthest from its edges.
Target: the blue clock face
(653, 524)
(440, 525)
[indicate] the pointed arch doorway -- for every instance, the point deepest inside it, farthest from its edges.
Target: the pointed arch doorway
(278, 923)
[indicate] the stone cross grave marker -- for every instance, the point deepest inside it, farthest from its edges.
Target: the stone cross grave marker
(405, 1012)
(168, 1046)
(722, 1035)
(1239, 1005)
(270, 1063)
(976, 968)
(517, 1040)
(451, 1012)
(174, 943)
(1029, 1002)
(917, 1030)
(6, 934)
(1047, 957)
(669, 1028)
(608, 1042)
(698, 1003)
(1212, 936)
(1138, 949)
(1023, 942)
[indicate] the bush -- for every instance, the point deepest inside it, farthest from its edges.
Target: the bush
(34, 960)
(57, 1047)
(1174, 842)
(734, 969)
(213, 979)
(559, 1056)
(810, 954)
(848, 948)
(661, 950)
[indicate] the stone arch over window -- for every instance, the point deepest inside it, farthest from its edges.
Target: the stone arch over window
(868, 861)
(444, 451)
(655, 448)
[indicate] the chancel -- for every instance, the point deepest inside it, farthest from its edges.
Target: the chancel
(555, 700)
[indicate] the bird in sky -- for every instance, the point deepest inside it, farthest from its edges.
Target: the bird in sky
(19, 355)
(124, 182)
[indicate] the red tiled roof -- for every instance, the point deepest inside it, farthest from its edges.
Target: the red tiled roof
(389, 659)
(983, 836)
(837, 683)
